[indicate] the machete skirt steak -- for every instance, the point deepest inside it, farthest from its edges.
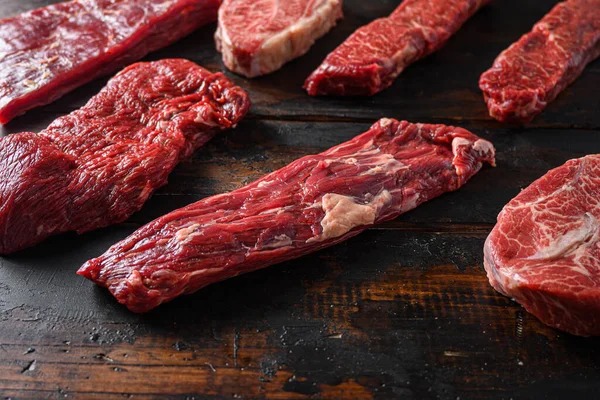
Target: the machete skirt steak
(312, 203)
(99, 164)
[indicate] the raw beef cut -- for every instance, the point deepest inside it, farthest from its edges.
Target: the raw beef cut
(373, 56)
(314, 202)
(544, 252)
(50, 51)
(99, 164)
(257, 37)
(533, 71)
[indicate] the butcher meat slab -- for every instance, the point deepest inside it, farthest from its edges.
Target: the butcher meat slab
(544, 250)
(375, 54)
(47, 52)
(312, 203)
(99, 164)
(534, 70)
(257, 37)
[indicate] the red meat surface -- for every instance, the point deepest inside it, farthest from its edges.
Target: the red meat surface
(534, 70)
(257, 37)
(314, 202)
(99, 164)
(544, 251)
(375, 54)
(50, 51)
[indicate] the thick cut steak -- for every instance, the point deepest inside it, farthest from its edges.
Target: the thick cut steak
(373, 56)
(99, 164)
(314, 202)
(533, 71)
(544, 252)
(50, 51)
(257, 37)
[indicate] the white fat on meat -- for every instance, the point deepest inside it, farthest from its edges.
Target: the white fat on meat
(296, 39)
(401, 59)
(185, 233)
(570, 241)
(483, 147)
(343, 213)
(279, 241)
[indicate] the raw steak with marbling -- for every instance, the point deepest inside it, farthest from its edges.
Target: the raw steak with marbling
(257, 37)
(99, 164)
(533, 71)
(544, 252)
(314, 202)
(375, 54)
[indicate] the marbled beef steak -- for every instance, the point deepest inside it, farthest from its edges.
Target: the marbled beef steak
(373, 56)
(533, 71)
(544, 252)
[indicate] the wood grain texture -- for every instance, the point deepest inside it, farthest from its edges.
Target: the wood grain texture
(403, 310)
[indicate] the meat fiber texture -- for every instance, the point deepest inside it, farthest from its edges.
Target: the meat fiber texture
(544, 250)
(533, 71)
(257, 37)
(375, 54)
(99, 164)
(314, 202)
(47, 52)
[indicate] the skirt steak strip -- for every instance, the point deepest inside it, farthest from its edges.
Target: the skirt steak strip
(534, 70)
(47, 52)
(544, 251)
(99, 164)
(257, 37)
(373, 56)
(314, 202)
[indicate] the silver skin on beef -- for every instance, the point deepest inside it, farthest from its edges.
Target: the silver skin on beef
(314, 202)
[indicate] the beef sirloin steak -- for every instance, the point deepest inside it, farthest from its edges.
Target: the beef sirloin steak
(544, 252)
(375, 54)
(257, 37)
(312, 203)
(534, 70)
(47, 52)
(99, 164)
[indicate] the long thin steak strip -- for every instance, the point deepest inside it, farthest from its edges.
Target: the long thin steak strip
(50, 51)
(544, 251)
(257, 37)
(533, 71)
(99, 164)
(373, 56)
(314, 202)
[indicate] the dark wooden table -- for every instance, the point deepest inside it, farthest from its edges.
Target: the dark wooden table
(402, 311)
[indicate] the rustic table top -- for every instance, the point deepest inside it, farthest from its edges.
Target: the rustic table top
(403, 310)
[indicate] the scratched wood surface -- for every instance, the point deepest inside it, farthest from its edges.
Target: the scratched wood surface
(402, 311)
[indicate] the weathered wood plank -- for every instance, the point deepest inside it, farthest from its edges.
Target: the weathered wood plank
(410, 314)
